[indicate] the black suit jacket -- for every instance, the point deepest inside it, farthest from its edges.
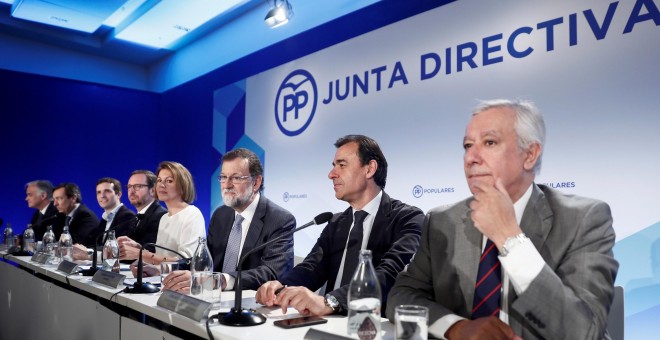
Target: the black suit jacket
(269, 222)
(83, 223)
(122, 224)
(146, 230)
(393, 240)
(39, 222)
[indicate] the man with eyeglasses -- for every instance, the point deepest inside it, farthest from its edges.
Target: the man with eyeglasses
(246, 220)
(141, 190)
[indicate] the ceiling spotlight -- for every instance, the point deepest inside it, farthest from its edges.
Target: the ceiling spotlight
(279, 14)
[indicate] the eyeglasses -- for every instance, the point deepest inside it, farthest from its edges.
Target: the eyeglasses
(234, 179)
(136, 187)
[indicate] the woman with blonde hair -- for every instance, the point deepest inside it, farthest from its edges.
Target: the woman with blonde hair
(183, 224)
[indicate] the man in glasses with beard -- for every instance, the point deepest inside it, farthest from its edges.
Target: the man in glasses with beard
(246, 220)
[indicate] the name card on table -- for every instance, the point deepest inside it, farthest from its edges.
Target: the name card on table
(185, 305)
(40, 258)
(67, 267)
(109, 279)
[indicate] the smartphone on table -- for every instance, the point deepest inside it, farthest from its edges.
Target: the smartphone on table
(300, 322)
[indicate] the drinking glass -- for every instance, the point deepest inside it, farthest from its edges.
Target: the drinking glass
(166, 268)
(411, 322)
(213, 288)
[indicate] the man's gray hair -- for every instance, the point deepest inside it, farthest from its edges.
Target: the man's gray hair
(529, 126)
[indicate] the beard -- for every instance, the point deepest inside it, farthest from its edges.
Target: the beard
(237, 201)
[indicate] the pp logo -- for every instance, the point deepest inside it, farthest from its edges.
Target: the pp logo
(295, 103)
(418, 191)
(285, 197)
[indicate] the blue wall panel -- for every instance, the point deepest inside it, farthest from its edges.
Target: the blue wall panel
(70, 131)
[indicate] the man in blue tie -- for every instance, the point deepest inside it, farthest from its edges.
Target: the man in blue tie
(246, 220)
(517, 259)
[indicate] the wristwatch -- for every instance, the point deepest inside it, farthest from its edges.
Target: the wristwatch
(512, 242)
(332, 302)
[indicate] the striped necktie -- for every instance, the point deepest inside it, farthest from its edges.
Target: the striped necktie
(487, 291)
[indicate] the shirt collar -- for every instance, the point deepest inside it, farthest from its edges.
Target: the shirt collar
(248, 213)
(372, 207)
(43, 211)
(110, 215)
(521, 203)
(144, 210)
(75, 207)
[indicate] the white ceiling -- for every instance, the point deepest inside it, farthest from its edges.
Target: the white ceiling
(135, 31)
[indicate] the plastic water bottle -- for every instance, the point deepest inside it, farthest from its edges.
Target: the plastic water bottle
(364, 300)
(28, 239)
(66, 245)
(201, 260)
(9, 236)
(49, 243)
(111, 253)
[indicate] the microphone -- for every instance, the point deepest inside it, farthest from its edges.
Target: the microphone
(146, 288)
(92, 270)
(239, 316)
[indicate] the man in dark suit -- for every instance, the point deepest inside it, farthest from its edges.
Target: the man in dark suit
(115, 215)
(141, 190)
(39, 195)
(80, 219)
(247, 220)
(554, 275)
(391, 230)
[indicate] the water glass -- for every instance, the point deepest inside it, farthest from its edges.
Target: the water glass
(166, 268)
(206, 286)
(213, 288)
(411, 322)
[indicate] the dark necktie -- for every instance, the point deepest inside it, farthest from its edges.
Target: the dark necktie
(487, 291)
(233, 247)
(67, 221)
(353, 247)
(138, 218)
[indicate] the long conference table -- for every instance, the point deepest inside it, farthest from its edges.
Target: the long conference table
(39, 302)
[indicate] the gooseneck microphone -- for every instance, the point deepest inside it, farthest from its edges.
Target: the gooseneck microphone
(239, 316)
(145, 288)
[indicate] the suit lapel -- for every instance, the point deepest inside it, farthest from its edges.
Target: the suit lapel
(536, 221)
(256, 226)
(224, 228)
(337, 245)
(381, 221)
(468, 253)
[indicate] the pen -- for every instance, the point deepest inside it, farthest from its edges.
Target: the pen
(278, 290)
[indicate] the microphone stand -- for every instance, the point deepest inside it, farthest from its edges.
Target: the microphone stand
(239, 316)
(146, 287)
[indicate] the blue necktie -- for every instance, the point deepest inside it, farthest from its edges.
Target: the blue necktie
(233, 247)
(487, 292)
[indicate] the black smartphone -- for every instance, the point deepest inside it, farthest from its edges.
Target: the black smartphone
(300, 322)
